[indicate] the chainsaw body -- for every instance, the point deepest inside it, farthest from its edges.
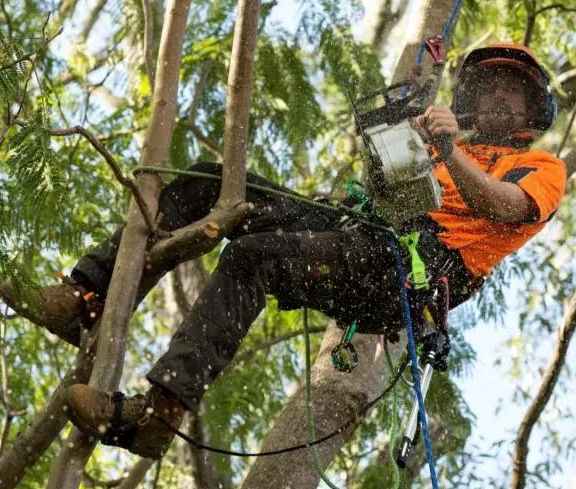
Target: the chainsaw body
(398, 170)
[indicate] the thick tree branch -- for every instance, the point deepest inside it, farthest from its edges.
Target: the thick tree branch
(194, 240)
(127, 273)
(9, 412)
(549, 380)
(29, 446)
(203, 235)
(233, 190)
(149, 42)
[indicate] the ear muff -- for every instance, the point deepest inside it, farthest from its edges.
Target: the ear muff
(545, 110)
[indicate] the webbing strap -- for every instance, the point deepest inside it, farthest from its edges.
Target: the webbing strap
(120, 433)
(418, 277)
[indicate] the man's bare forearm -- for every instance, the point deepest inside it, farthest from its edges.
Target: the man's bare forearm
(486, 196)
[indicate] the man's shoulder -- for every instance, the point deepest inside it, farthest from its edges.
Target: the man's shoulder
(537, 158)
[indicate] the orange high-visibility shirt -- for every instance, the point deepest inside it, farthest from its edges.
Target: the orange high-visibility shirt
(483, 243)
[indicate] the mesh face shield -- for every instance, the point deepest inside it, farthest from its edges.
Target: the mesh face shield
(541, 104)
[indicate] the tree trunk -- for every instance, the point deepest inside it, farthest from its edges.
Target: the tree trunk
(130, 260)
(233, 189)
(336, 397)
(430, 21)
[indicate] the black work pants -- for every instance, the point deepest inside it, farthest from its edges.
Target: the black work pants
(292, 250)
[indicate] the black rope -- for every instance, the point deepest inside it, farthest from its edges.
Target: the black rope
(359, 414)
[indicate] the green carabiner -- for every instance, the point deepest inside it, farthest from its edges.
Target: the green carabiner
(352, 189)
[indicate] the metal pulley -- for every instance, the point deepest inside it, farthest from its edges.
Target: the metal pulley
(344, 356)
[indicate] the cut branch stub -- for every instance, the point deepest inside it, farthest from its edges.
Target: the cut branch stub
(212, 229)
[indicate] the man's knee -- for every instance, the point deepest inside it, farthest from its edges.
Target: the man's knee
(241, 255)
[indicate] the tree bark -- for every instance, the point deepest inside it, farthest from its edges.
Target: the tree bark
(336, 397)
(130, 260)
(233, 189)
(429, 22)
(30, 445)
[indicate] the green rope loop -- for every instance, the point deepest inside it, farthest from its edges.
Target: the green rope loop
(364, 217)
(353, 191)
(394, 422)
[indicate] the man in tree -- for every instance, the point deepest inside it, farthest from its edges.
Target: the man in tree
(498, 193)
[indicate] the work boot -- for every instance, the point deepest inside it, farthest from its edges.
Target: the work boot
(55, 307)
(127, 422)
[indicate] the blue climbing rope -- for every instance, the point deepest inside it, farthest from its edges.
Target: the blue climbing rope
(413, 358)
(445, 33)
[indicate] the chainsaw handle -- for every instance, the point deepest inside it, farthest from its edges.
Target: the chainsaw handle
(444, 146)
